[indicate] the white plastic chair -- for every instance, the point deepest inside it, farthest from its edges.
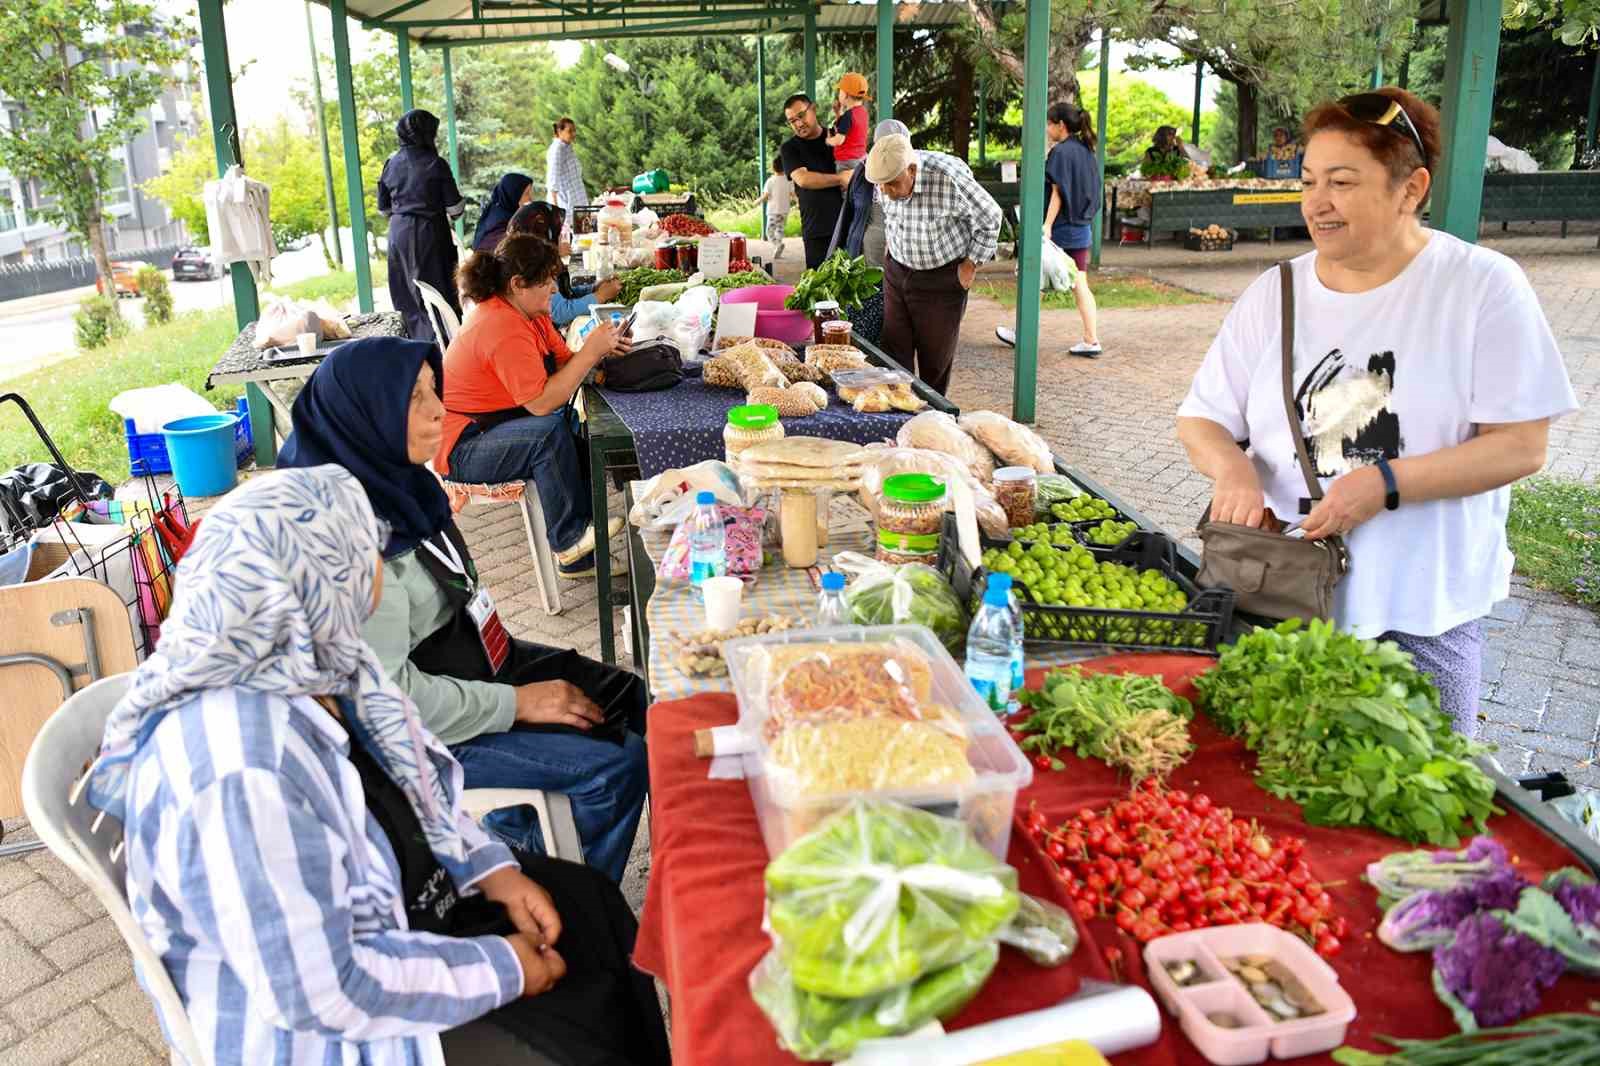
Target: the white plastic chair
(89, 842)
(441, 316)
(546, 577)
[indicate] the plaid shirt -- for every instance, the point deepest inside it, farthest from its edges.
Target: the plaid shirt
(564, 174)
(947, 217)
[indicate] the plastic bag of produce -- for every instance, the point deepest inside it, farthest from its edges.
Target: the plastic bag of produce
(880, 895)
(824, 1029)
(1056, 269)
(1012, 443)
(1042, 931)
(1053, 489)
(937, 431)
(881, 595)
(886, 460)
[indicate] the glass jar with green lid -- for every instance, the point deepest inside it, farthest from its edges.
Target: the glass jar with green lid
(748, 424)
(910, 517)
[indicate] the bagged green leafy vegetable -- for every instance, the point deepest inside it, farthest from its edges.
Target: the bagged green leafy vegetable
(881, 595)
(881, 894)
(1053, 489)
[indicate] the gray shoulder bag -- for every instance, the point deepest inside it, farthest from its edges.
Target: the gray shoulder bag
(1274, 575)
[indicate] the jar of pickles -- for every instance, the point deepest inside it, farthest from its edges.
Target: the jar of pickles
(910, 517)
(1016, 490)
(823, 312)
(749, 424)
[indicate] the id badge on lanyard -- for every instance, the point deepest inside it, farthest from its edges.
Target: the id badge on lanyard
(492, 635)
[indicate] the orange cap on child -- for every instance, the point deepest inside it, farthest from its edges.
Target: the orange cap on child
(853, 84)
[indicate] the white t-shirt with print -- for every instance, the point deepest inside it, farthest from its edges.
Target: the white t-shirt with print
(779, 195)
(1411, 367)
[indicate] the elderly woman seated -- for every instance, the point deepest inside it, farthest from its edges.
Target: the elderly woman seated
(296, 849)
(515, 714)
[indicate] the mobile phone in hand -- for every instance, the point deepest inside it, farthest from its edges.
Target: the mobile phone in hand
(625, 328)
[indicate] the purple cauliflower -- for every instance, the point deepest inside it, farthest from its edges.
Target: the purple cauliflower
(1580, 901)
(1428, 919)
(1481, 849)
(1494, 973)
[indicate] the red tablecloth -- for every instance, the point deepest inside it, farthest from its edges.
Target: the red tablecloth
(701, 929)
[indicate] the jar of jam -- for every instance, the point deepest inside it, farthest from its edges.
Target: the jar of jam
(737, 248)
(837, 332)
(823, 311)
(910, 519)
(688, 257)
(666, 256)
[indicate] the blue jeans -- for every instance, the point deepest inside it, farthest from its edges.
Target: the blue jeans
(606, 783)
(542, 449)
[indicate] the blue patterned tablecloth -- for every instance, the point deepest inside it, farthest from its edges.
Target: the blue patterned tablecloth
(682, 425)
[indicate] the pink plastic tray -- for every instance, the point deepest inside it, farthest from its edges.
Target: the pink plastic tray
(791, 327)
(1261, 1035)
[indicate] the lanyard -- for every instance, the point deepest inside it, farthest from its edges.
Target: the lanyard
(452, 562)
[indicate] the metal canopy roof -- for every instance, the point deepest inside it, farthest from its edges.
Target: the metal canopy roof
(461, 23)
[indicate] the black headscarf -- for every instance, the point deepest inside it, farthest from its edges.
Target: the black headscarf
(543, 220)
(496, 218)
(418, 129)
(354, 412)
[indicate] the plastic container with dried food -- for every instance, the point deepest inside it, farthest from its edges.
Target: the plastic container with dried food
(1016, 490)
(749, 423)
(1221, 1015)
(910, 518)
(880, 711)
(868, 377)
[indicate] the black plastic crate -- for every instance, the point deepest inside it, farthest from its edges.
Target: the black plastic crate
(1199, 627)
(1080, 534)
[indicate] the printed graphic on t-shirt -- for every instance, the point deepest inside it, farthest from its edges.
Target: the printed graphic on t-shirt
(1344, 413)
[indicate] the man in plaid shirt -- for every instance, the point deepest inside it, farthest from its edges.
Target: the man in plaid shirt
(941, 225)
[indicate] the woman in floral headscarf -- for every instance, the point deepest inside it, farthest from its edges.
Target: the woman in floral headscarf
(296, 850)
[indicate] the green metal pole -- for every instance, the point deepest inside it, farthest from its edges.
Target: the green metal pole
(809, 44)
(1594, 108)
(983, 125)
(352, 155)
(402, 41)
(224, 122)
(885, 59)
(1100, 142)
(322, 130)
(1030, 243)
(450, 127)
(1377, 63)
(1199, 81)
(1471, 53)
(761, 121)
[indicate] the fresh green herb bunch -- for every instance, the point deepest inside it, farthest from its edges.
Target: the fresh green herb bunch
(740, 280)
(1348, 729)
(1536, 1041)
(1131, 721)
(849, 281)
(636, 281)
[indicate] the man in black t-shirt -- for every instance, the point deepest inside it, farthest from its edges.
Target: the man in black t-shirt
(808, 162)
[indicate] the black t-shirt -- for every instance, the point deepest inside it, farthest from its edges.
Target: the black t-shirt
(819, 208)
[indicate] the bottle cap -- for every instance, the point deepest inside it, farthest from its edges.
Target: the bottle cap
(752, 415)
(996, 596)
(913, 488)
(704, 497)
(1015, 473)
(832, 581)
(1000, 581)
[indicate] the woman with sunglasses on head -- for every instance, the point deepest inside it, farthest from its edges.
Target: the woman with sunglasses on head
(570, 301)
(1424, 381)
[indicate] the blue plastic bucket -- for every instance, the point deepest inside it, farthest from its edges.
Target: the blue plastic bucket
(201, 449)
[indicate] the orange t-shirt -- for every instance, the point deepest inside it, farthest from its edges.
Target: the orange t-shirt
(495, 363)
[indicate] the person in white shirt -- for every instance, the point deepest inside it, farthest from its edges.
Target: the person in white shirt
(562, 170)
(778, 195)
(1426, 378)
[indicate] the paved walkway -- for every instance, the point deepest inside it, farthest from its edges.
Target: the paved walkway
(66, 990)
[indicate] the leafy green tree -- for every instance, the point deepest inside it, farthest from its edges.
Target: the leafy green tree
(1134, 110)
(288, 158)
(1572, 21)
(85, 73)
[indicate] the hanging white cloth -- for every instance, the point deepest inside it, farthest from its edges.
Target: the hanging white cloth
(238, 214)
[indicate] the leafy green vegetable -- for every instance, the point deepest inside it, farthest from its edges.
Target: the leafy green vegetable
(740, 280)
(1537, 1041)
(1348, 729)
(841, 278)
(636, 281)
(912, 593)
(1131, 721)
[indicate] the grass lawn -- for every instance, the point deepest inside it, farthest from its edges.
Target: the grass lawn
(71, 397)
(1110, 291)
(1554, 528)
(745, 218)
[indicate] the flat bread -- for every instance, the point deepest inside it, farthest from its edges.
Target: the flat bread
(805, 451)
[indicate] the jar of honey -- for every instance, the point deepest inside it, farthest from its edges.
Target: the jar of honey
(823, 311)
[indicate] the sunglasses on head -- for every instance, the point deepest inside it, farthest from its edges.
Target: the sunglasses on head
(1380, 110)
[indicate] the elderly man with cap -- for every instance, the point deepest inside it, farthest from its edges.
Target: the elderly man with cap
(941, 226)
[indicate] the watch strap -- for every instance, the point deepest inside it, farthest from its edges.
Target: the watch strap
(1391, 488)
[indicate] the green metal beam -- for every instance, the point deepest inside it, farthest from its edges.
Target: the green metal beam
(885, 59)
(1036, 54)
(1471, 54)
(1377, 63)
(322, 132)
(653, 29)
(450, 128)
(809, 73)
(1199, 83)
(1100, 142)
(224, 126)
(352, 154)
(1589, 130)
(733, 13)
(402, 42)
(761, 121)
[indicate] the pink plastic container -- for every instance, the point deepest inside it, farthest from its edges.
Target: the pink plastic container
(1261, 1035)
(791, 327)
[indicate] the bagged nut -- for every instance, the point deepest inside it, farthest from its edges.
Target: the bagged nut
(790, 404)
(719, 373)
(753, 367)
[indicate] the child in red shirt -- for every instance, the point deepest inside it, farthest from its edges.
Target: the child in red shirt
(848, 139)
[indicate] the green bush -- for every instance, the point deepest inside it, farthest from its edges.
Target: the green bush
(157, 295)
(98, 322)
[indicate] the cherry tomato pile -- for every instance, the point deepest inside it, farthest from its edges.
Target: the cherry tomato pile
(1160, 862)
(686, 226)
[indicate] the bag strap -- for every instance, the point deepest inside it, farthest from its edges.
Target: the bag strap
(1286, 285)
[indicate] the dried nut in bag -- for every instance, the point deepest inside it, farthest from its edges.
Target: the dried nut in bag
(789, 403)
(720, 373)
(753, 367)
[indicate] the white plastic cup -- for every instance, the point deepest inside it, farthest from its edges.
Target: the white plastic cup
(722, 596)
(307, 343)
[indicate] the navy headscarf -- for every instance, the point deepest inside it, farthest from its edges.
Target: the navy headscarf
(353, 412)
(543, 220)
(418, 129)
(503, 203)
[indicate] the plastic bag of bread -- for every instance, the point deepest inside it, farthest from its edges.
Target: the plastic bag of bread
(887, 459)
(753, 367)
(1012, 443)
(937, 431)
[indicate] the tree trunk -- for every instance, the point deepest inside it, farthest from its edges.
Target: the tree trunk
(1066, 52)
(1249, 117)
(93, 228)
(961, 106)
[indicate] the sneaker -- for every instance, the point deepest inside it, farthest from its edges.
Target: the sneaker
(1085, 349)
(1007, 335)
(583, 566)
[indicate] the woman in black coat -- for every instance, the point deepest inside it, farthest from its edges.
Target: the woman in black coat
(418, 193)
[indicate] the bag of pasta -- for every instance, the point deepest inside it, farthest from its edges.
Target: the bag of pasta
(881, 895)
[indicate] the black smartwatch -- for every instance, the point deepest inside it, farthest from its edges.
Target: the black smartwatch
(1391, 498)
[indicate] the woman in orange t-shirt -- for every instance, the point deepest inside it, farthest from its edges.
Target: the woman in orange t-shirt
(508, 385)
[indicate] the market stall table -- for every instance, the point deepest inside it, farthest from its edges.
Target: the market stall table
(701, 928)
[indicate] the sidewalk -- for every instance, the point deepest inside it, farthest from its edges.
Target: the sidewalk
(50, 301)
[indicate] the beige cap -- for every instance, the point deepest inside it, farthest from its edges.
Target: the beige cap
(889, 158)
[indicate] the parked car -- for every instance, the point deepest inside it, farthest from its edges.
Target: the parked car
(125, 276)
(196, 264)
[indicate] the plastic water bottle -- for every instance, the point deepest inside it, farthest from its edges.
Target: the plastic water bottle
(708, 556)
(989, 649)
(1017, 664)
(831, 610)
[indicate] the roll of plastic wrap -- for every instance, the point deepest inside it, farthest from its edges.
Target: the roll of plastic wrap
(1110, 1018)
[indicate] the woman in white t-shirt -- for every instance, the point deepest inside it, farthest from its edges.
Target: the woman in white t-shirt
(1425, 378)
